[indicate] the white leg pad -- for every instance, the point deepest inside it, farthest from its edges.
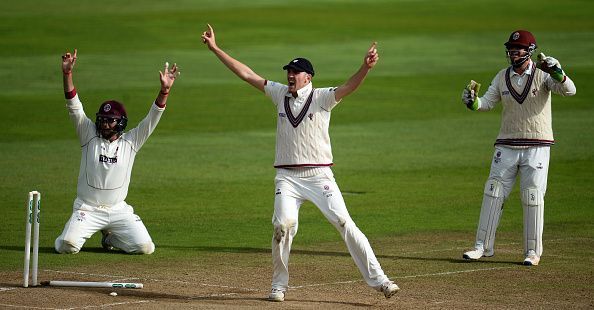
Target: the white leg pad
(533, 205)
(491, 211)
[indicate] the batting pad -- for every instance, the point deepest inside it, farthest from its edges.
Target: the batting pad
(491, 211)
(533, 205)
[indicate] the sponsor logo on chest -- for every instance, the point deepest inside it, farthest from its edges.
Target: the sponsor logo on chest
(109, 160)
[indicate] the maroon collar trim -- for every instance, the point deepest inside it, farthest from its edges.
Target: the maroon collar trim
(520, 97)
(295, 121)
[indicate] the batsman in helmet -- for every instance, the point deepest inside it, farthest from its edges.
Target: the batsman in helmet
(106, 164)
(523, 145)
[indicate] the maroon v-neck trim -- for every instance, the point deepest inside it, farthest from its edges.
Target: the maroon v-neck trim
(519, 97)
(295, 121)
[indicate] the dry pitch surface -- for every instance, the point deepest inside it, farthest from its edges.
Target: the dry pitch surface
(430, 273)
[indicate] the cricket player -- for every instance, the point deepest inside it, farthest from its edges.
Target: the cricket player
(105, 167)
(303, 160)
(523, 144)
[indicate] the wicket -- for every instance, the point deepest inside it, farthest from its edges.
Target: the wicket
(33, 211)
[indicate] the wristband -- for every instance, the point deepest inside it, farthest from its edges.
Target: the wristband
(70, 94)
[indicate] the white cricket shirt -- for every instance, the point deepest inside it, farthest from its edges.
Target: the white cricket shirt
(105, 167)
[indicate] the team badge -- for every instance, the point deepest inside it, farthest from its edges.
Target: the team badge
(107, 108)
(516, 36)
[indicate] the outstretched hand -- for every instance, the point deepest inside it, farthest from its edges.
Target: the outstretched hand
(168, 76)
(208, 37)
(372, 56)
(68, 61)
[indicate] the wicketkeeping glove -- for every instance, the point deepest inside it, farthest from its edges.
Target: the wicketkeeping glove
(470, 95)
(551, 66)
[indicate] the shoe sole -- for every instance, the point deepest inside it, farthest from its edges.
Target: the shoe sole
(470, 258)
(275, 299)
(392, 294)
(527, 263)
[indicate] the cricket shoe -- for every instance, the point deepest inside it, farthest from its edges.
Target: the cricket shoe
(106, 246)
(389, 288)
(477, 253)
(531, 259)
(276, 295)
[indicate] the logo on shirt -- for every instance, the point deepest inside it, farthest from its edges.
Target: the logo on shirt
(282, 115)
(539, 166)
(505, 93)
(109, 160)
(310, 116)
(534, 91)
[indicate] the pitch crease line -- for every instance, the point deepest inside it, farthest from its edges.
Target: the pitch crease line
(28, 307)
(6, 289)
(402, 277)
(115, 304)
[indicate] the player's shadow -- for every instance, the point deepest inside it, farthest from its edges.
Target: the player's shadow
(44, 249)
(320, 253)
(233, 297)
(236, 297)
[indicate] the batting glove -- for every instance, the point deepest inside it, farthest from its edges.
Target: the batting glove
(551, 66)
(469, 96)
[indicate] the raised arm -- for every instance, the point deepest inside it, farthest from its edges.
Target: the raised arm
(242, 71)
(68, 61)
(167, 78)
(353, 83)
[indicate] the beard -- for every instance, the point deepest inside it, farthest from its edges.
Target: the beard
(107, 134)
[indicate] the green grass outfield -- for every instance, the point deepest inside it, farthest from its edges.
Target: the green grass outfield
(410, 158)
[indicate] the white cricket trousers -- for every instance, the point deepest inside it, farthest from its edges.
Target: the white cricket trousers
(293, 187)
(128, 233)
(532, 164)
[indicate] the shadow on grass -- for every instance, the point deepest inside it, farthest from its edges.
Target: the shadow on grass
(51, 250)
(217, 249)
(230, 297)
(21, 249)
